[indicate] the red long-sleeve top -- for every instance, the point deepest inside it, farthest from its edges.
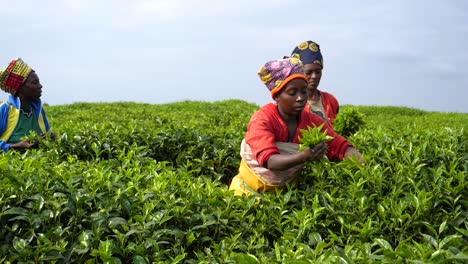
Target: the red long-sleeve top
(266, 127)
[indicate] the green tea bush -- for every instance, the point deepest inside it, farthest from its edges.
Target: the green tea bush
(348, 121)
(146, 184)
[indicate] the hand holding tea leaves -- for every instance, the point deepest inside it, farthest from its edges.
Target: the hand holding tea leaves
(32, 140)
(26, 142)
(314, 139)
(312, 136)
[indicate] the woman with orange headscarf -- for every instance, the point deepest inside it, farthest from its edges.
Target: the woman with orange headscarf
(269, 151)
(319, 102)
(22, 113)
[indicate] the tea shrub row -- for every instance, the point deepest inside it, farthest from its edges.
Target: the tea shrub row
(127, 182)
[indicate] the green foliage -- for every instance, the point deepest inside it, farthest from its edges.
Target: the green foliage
(348, 121)
(312, 136)
(145, 185)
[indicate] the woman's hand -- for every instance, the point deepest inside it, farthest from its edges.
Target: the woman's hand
(287, 161)
(315, 153)
(24, 144)
(28, 144)
(352, 152)
(51, 134)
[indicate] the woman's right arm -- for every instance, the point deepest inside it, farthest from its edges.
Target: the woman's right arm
(23, 144)
(287, 161)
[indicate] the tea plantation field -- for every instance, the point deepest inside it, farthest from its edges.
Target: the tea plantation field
(140, 183)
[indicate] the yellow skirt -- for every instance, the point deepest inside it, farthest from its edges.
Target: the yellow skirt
(248, 182)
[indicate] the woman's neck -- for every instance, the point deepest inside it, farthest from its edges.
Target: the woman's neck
(314, 95)
(286, 118)
(291, 122)
(24, 100)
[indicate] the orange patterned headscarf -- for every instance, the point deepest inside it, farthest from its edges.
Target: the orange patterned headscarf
(276, 74)
(14, 75)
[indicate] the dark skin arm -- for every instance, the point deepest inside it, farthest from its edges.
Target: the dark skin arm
(286, 161)
(27, 144)
(23, 144)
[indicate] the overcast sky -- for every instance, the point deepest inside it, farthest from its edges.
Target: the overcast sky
(399, 52)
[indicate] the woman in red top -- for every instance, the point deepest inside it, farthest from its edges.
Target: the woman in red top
(321, 103)
(269, 151)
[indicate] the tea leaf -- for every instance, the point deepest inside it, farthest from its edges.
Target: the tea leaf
(312, 136)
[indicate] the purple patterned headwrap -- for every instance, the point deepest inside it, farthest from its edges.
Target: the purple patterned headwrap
(308, 52)
(276, 74)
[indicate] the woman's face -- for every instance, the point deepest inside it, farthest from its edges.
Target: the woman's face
(31, 88)
(313, 72)
(292, 98)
